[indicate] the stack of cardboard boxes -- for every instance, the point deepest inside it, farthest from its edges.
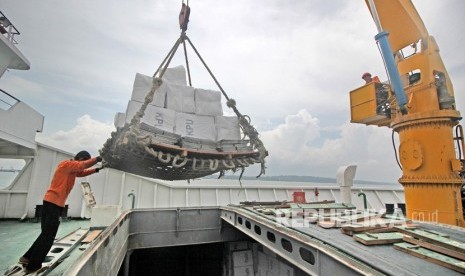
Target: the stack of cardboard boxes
(245, 258)
(180, 109)
(238, 259)
(269, 265)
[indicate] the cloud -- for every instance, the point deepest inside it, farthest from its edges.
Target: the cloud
(88, 134)
(294, 148)
(294, 135)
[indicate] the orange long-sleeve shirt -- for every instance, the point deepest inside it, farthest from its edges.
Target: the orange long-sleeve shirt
(64, 177)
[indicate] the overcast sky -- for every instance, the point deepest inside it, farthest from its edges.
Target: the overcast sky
(289, 65)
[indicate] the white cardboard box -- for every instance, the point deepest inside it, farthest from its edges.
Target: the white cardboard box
(208, 102)
(262, 264)
(120, 119)
(180, 98)
(242, 258)
(237, 245)
(143, 85)
(273, 264)
(227, 128)
(243, 271)
(267, 265)
(268, 252)
(195, 126)
(285, 270)
(154, 116)
(175, 75)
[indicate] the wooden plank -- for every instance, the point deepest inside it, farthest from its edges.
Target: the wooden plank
(437, 248)
(312, 218)
(372, 224)
(322, 202)
(341, 220)
(378, 238)
(364, 217)
(268, 212)
(346, 232)
(327, 224)
(431, 256)
(331, 222)
(323, 205)
(366, 225)
(346, 229)
(382, 230)
(269, 204)
(358, 228)
(434, 238)
(91, 236)
(436, 233)
(283, 206)
(203, 152)
(283, 213)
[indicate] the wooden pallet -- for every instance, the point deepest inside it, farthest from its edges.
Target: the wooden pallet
(91, 236)
(431, 256)
(433, 237)
(372, 225)
(434, 247)
(379, 238)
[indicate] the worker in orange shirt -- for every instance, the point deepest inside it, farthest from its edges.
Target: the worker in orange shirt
(54, 202)
(367, 78)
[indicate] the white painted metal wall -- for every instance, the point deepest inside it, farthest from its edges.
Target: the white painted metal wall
(112, 187)
(29, 120)
(30, 185)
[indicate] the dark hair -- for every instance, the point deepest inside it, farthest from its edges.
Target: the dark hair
(82, 155)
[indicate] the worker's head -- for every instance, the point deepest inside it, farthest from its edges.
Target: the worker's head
(366, 77)
(82, 155)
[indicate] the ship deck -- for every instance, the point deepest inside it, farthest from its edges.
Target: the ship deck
(357, 258)
(16, 237)
(381, 259)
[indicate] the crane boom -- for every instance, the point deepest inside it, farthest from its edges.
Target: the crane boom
(406, 26)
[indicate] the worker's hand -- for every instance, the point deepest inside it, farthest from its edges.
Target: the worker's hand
(99, 159)
(104, 165)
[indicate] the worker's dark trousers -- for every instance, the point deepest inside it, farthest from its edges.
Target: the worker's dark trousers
(49, 224)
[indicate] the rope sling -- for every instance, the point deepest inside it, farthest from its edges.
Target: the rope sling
(140, 149)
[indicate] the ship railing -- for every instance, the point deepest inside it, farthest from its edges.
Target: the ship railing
(7, 29)
(7, 100)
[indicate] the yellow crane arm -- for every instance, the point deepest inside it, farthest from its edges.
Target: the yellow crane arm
(401, 20)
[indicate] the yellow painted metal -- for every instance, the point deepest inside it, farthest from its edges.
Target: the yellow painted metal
(363, 106)
(427, 154)
(423, 94)
(435, 202)
(400, 17)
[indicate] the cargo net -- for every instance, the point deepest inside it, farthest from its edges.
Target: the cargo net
(145, 150)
